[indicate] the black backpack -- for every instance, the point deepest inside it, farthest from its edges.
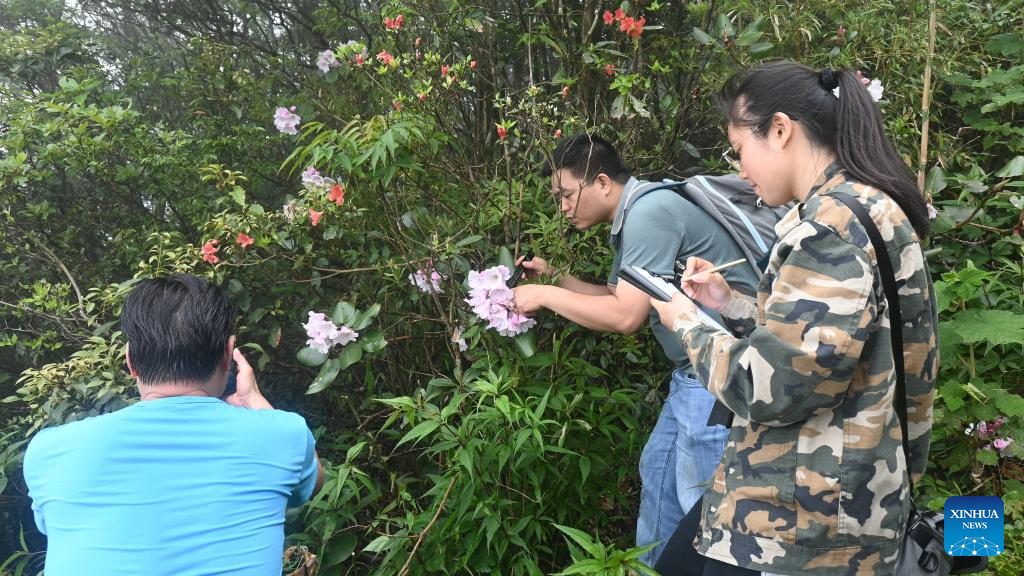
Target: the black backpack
(733, 204)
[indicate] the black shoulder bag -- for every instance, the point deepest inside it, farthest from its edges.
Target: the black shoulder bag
(922, 552)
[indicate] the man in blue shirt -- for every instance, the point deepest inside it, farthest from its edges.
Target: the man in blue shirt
(592, 186)
(184, 482)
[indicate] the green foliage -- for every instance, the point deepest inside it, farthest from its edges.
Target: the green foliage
(126, 149)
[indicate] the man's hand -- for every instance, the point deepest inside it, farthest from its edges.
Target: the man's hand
(529, 299)
(536, 268)
(247, 393)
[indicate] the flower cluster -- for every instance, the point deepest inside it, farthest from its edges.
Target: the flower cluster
(326, 60)
(394, 23)
(385, 58)
(874, 87)
(985, 430)
(324, 334)
(631, 26)
(427, 282)
(286, 120)
(493, 301)
(210, 252)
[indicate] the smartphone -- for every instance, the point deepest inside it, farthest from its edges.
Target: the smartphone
(517, 274)
(232, 385)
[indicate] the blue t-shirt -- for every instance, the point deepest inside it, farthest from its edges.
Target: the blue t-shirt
(176, 486)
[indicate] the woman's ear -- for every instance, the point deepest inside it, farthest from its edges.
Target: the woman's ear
(780, 133)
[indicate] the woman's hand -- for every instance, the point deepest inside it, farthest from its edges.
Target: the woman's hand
(711, 290)
(668, 312)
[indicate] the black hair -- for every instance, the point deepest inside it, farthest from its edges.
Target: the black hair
(177, 328)
(850, 125)
(586, 156)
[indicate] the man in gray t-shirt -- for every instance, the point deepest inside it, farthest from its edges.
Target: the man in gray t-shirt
(651, 231)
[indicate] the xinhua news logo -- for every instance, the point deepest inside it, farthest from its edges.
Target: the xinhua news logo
(973, 526)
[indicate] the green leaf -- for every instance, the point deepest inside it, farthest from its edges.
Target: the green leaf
(339, 549)
(363, 320)
(468, 240)
(759, 47)
(373, 342)
(992, 326)
(1013, 168)
(419, 431)
(505, 258)
(379, 544)
(354, 451)
(936, 180)
(987, 457)
(238, 195)
(344, 313)
(526, 343)
(350, 354)
(328, 372)
(702, 37)
(583, 539)
(619, 106)
(310, 357)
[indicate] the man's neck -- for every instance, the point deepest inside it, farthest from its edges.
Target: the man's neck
(615, 198)
(158, 391)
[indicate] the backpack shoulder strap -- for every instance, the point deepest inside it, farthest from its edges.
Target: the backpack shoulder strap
(888, 278)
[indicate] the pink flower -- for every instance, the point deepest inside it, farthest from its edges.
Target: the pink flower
(558, 133)
(396, 105)
(458, 339)
(323, 334)
(422, 96)
(210, 251)
(502, 132)
(444, 69)
(243, 239)
(394, 23)
(315, 216)
(360, 59)
(472, 64)
(1000, 443)
(326, 60)
(620, 14)
(608, 17)
(626, 24)
(337, 194)
(418, 42)
(311, 176)
(492, 301)
(285, 121)
(609, 69)
(565, 92)
(384, 57)
(428, 283)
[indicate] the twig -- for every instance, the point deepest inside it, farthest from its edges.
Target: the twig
(419, 539)
(926, 97)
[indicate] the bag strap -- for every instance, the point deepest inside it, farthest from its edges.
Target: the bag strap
(743, 217)
(888, 278)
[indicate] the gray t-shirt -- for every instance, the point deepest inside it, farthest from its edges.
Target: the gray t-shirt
(661, 227)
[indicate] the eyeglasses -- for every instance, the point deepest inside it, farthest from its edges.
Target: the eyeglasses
(732, 162)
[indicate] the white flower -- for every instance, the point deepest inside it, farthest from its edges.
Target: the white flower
(326, 60)
(286, 120)
(427, 284)
(932, 212)
(875, 89)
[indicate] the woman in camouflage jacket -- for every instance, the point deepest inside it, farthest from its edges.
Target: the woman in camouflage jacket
(814, 479)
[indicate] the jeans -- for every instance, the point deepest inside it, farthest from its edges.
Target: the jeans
(679, 458)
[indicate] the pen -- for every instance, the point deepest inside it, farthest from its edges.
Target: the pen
(716, 268)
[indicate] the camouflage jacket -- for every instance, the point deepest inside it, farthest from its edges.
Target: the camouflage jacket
(813, 479)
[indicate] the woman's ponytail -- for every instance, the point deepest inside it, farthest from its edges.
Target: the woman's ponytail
(836, 111)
